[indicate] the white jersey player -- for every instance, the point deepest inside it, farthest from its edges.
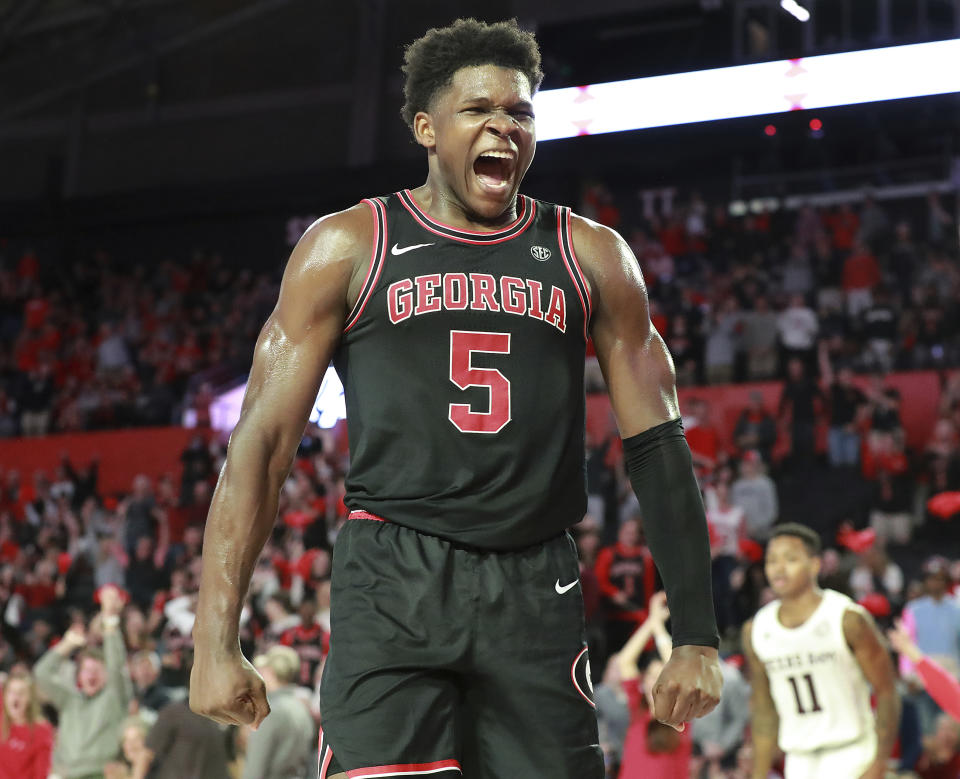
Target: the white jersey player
(814, 657)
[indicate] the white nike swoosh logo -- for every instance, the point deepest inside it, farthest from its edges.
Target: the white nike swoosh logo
(560, 590)
(397, 250)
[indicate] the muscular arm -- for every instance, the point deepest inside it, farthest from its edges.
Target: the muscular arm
(292, 353)
(642, 386)
(867, 646)
(764, 721)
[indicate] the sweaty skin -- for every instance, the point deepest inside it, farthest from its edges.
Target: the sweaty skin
(486, 108)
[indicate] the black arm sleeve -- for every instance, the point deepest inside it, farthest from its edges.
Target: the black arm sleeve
(661, 471)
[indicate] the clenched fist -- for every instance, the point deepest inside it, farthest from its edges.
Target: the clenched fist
(689, 685)
(228, 690)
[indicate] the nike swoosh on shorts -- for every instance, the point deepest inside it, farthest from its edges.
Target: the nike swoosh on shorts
(561, 590)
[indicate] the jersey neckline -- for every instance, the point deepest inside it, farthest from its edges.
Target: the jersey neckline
(524, 218)
(807, 621)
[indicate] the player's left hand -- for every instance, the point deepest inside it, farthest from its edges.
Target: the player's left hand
(689, 685)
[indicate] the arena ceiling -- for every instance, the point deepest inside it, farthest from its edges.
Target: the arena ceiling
(104, 96)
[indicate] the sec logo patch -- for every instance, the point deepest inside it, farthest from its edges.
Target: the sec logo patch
(540, 253)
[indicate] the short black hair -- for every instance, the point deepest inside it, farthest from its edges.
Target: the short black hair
(431, 60)
(810, 537)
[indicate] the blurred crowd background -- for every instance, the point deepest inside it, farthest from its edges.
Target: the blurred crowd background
(806, 282)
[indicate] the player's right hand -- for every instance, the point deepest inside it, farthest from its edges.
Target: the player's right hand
(228, 690)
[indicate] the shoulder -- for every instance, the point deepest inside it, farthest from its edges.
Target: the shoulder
(343, 237)
(610, 268)
(596, 242)
(857, 625)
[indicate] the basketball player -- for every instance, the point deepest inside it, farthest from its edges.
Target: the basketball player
(457, 315)
(814, 656)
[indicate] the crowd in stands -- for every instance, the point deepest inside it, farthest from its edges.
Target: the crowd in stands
(97, 591)
(105, 343)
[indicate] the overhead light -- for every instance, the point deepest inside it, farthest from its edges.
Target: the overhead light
(794, 8)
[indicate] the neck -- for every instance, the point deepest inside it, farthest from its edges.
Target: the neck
(439, 201)
(797, 604)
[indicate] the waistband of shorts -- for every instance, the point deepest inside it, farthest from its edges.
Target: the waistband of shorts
(363, 514)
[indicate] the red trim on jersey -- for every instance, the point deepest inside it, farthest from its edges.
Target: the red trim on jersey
(438, 223)
(573, 677)
(573, 277)
(576, 262)
(360, 514)
(456, 234)
(405, 769)
(377, 261)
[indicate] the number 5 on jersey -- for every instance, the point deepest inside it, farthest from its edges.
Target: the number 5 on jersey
(463, 345)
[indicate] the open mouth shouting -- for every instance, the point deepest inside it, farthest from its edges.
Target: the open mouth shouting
(495, 169)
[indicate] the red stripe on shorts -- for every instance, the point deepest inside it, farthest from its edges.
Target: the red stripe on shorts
(404, 769)
(358, 514)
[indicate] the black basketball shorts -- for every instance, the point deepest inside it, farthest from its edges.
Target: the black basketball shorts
(450, 662)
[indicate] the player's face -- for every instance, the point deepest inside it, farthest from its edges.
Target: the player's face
(790, 568)
(481, 131)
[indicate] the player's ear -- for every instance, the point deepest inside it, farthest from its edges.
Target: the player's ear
(423, 130)
(815, 563)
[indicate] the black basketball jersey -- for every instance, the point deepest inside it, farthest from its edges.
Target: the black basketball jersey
(462, 365)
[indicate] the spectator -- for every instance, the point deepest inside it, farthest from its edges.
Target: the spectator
(844, 401)
(800, 406)
(874, 223)
(933, 623)
(626, 575)
(613, 716)
(861, 274)
(112, 355)
(281, 747)
(139, 513)
(875, 572)
(756, 429)
(184, 745)
(756, 495)
(760, 328)
(36, 401)
(879, 325)
(722, 343)
(26, 738)
(941, 751)
(797, 271)
(650, 747)
(904, 260)
(149, 694)
(933, 620)
(798, 327)
(147, 570)
(718, 735)
(942, 686)
(844, 226)
(92, 711)
(727, 526)
(886, 464)
(132, 750)
(939, 221)
(309, 640)
(702, 436)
